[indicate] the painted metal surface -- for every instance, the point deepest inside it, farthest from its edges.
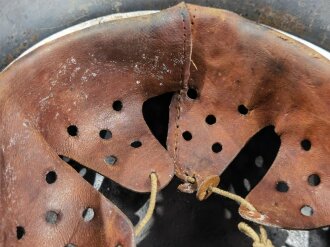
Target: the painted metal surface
(25, 22)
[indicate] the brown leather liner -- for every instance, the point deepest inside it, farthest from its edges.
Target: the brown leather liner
(27, 198)
(74, 81)
(248, 77)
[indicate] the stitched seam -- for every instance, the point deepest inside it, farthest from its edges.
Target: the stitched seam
(179, 96)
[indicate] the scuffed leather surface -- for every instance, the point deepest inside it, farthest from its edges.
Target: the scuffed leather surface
(281, 83)
(74, 80)
(26, 197)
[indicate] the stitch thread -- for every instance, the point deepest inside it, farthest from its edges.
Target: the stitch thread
(179, 96)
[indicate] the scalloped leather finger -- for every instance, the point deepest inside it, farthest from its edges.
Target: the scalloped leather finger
(81, 96)
(244, 77)
(84, 93)
(44, 201)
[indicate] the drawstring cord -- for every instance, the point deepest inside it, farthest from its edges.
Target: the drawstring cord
(152, 204)
(233, 197)
(260, 240)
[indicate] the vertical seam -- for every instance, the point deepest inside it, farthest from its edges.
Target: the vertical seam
(179, 95)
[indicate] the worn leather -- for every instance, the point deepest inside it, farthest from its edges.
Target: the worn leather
(74, 81)
(282, 83)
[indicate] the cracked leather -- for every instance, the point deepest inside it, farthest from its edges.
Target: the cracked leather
(74, 80)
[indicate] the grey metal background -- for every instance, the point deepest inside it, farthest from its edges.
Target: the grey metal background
(25, 22)
(180, 220)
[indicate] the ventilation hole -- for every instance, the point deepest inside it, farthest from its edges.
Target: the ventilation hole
(73, 130)
(51, 177)
(110, 160)
(210, 119)
(216, 147)
(156, 115)
(187, 135)
(192, 93)
(306, 145)
(307, 211)
(20, 232)
(88, 214)
(70, 245)
(117, 105)
(242, 109)
(51, 217)
(265, 144)
(88, 174)
(129, 204)
(119, 245)
(259, 161)
(105, 134)
(314, 180)
(282, 186)
(136, 144)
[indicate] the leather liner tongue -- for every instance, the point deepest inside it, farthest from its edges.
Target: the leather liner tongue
(243, 78)
(46, 201)
(81, 96)
(84, 92)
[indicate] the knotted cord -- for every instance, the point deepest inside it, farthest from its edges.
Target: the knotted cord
(260, 240)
